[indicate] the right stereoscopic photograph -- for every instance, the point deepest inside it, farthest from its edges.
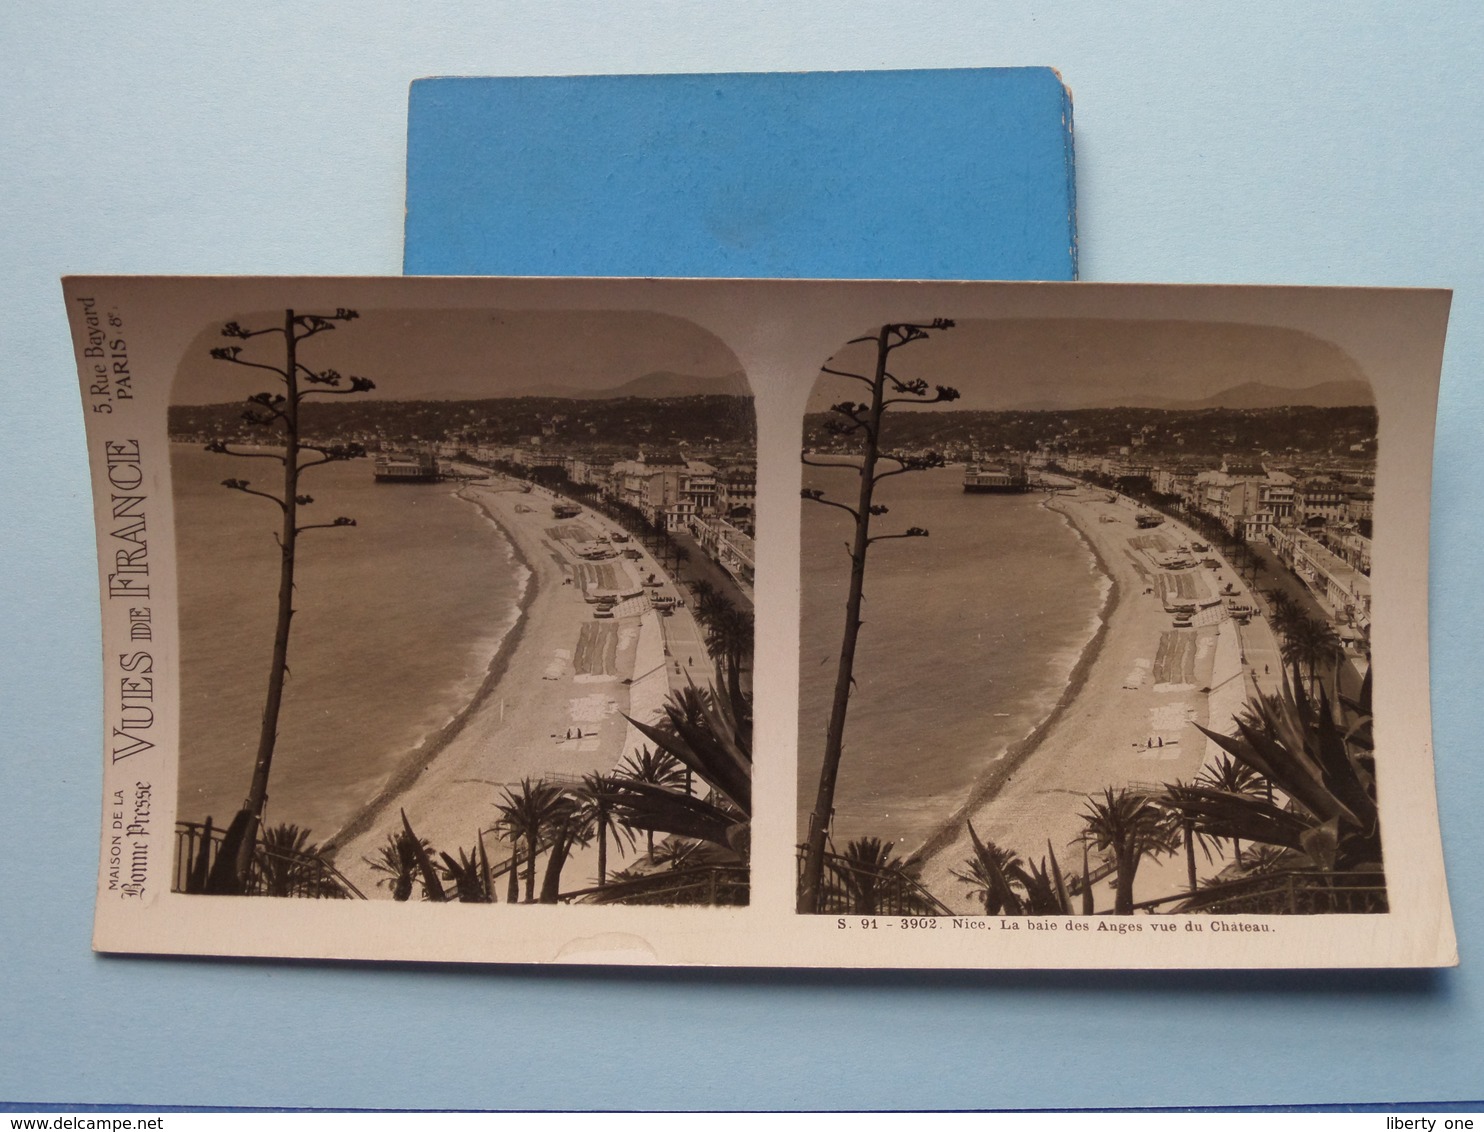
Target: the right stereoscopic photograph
(1086, 622)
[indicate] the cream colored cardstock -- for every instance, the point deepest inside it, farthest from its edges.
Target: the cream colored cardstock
(470, 645)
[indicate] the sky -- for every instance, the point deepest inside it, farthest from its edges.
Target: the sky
(995, 364)
(463, 354)
(1096, 363)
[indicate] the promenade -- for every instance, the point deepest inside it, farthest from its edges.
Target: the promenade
(556, 696)
(1130, 715)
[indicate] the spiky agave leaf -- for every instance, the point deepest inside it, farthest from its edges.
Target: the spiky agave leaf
(432, 888)
(468, 874)
(701, 733)
(1295, 743)
(1009, 901)
(486, 878)
(1064, 898)
(642, 805)
(1217, 813)
(1041, 895)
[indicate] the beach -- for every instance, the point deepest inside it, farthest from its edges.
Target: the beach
(1129, 711)
(554, 698)
(969, 638)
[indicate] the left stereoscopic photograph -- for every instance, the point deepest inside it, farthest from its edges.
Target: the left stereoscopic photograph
(465, 607)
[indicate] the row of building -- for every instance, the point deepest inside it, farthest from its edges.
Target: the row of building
(1342, 586)
(1247, 496)
(1318, 524)
(716, 505)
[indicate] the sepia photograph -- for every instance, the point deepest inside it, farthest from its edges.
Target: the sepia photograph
(1086, 623)
(465, 607)
(1088, 632)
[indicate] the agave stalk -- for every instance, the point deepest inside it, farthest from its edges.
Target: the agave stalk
(863, 419)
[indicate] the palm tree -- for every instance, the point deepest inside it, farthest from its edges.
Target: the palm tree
(867, 869)
(1129, 825)
(1309, 644)
(708, 599)
(659, 768)
(729, 641)
(987, 875)
(1008, 887)
(709, 604)
(568, 823)
(596, 796)
(652, 768)
(397, 861)
(703, 592)
(1232, 777)
(292, 865)
(1282, 609)
(1191, 837)
(527, 813)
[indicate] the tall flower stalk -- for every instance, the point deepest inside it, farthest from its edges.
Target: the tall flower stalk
(277, 414)
(862, 419)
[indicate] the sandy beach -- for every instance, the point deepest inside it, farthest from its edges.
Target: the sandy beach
(1129, 712)
(553, 701)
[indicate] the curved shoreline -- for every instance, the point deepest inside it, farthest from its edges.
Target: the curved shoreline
(418, 760)
(521, 724)
(998, 773)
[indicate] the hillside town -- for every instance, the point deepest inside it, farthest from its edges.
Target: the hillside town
(1292, 484)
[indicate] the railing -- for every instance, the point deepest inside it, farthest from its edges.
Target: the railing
(270, 872)
(562, 780)
(1291, 893)
(857, 890)
(1100, 869)
(710, 884)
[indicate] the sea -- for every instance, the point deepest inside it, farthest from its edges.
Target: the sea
(397, 621)
(968, 641)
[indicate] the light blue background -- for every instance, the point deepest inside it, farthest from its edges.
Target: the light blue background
(1265, 142)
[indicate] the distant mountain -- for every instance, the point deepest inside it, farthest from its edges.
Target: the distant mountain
(1250, 395)
(660, 384)
(1255, 395)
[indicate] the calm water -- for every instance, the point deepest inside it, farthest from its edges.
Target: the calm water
(968, 640)
(397, 621)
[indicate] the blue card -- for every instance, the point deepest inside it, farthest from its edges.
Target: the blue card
(948, 174)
